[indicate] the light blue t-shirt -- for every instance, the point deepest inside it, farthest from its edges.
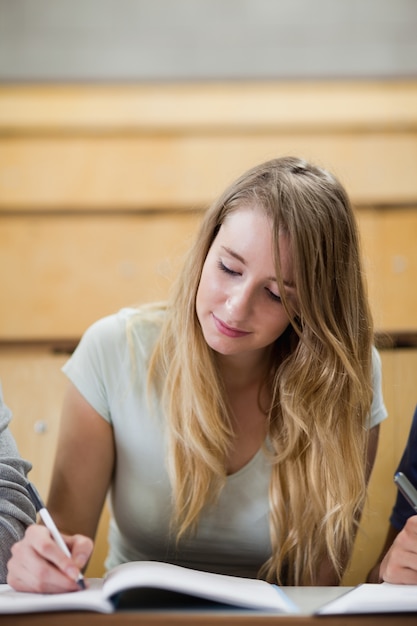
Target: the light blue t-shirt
(109, 368)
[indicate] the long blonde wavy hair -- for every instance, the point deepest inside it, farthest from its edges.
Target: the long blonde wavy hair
(319, 378)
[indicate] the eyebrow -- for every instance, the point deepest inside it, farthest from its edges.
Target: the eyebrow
(240, 258)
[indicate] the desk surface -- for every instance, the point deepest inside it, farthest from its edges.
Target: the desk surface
(202, 619)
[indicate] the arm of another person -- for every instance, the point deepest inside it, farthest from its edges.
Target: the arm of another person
(397, 562)
(81, 477)
(16, 510)
(327, 574)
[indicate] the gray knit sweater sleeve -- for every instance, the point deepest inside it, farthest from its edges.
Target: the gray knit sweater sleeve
(16, 510)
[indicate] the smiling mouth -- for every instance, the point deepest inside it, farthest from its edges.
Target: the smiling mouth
(228, 330)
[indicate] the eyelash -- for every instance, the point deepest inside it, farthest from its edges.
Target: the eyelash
(230, 272)
(274, 296)
(226, 270)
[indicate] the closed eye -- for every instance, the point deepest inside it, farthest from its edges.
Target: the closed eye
(226, 269)
(275, 297)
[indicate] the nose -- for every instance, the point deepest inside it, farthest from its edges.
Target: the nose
(239, 304)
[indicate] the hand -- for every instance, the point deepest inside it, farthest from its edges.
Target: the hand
(39, 565)
(399, 565)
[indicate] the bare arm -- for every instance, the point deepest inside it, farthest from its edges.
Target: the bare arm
(82, 472)
(83, 467)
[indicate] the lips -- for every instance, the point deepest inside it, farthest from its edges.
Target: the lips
(224, 329)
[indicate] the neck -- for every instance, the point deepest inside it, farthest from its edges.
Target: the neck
(241, 371)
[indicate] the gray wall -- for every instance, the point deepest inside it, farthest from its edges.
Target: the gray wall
(137, 40)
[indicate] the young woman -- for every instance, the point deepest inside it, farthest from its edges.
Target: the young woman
(235, 427)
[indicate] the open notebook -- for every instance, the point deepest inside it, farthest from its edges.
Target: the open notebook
(153, 585)
(150, 584)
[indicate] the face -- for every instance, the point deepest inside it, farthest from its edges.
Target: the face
(238, 302)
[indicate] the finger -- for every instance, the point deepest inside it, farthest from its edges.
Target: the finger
(400, 576)
(38, 564)
(399, 565)
(410, 530)
(40, 578)
(81, 548)
(28, 571)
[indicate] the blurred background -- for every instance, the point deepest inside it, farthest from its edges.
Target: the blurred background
(121, 120)
(148, 40)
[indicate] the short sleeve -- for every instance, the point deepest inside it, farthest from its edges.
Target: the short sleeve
(111, 358)
(93, 366)
(378, 410)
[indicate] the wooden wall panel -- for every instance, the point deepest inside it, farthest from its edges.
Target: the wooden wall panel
(177, 145)
(396, 262)
(389, 245)
(58, 273)
(188, 171)
(103, 152)
(196, 107)
(33, 388)
(62, 271)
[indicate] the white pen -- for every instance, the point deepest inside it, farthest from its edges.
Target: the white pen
(407, 489)
(50, 525)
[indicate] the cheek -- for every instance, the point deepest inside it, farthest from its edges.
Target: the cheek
(198, 302)
(277, 326)
(209, 287)
(203, 293)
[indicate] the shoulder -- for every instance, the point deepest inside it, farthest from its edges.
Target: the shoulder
(113, 343)
(113, 352)
(376, 369)
(114, 332)
(376, 358)
(144, 325)
(5, 413)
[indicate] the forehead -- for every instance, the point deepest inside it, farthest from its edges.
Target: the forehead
(248, 233)
(249, 225)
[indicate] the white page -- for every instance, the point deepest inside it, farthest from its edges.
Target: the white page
(374, 598)
(238, 592)
(91, 599)
(310, 599)
(244, 592)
